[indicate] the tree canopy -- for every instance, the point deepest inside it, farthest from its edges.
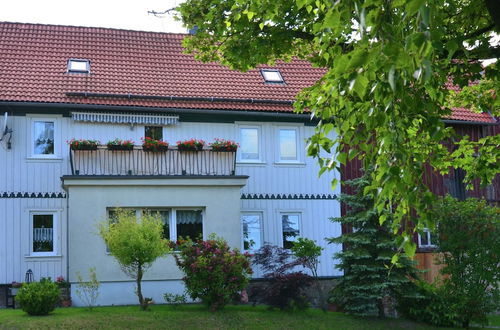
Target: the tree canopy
(384, 94)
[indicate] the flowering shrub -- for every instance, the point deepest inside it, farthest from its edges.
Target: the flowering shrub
(150, 144)
(83, 144)
(119, 144)
(190, 145)
(224, 145)
(213, 272)
(62, 283)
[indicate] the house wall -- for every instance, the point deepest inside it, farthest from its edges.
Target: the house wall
(33, 184)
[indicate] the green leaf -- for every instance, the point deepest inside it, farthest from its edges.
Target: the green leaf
(250, 15)
(413, 6)
(309, 8)
(261, 26)
(360, 86)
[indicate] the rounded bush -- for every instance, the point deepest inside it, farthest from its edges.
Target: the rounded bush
(38, 298)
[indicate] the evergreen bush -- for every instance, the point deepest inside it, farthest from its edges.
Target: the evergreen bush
(38, 298)
(369, 275)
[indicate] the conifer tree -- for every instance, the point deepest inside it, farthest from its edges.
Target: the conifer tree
(369, 275)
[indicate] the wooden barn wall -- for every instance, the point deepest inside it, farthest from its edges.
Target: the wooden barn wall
(438, 184)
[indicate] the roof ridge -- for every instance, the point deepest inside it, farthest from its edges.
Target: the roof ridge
(78, 27)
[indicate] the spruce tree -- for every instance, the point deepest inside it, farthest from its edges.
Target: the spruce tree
(369, 275)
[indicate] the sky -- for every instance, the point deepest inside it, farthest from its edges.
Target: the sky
(125, 14)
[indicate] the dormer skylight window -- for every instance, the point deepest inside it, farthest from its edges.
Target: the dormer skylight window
(272, 76)
(78, 66)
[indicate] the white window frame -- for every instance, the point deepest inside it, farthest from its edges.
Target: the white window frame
(261, 223)
(55, 233)
(87, 66)
(57, 137)
(280, 220)
(297, 146)
(259, 160)
(426, 232)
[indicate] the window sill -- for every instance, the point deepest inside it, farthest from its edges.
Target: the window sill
(55, 256)
(290, 164)
(44, 160)
(253, 163)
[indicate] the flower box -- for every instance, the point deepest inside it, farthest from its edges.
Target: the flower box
(83, 144)
(189, 148)
(84, 147)
(222, 145)
(153, 145)
(154, 148)
(119, 147)
(190, 145)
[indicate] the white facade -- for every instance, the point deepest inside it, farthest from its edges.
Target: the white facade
(280, 182)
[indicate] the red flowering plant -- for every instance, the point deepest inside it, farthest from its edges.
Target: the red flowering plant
(118, 144)
(213, 272)
(62, 283)
(190, 145)
(224, 145)
(149, 144)
(83, 144)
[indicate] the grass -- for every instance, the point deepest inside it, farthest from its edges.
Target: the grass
(195, 317)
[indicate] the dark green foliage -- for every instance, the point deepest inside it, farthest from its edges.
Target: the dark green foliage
(38, 298)
(369, 275)
(469, 237)
(284, 288)
(428, 303)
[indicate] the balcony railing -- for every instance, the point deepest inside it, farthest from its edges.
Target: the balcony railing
(139, 162)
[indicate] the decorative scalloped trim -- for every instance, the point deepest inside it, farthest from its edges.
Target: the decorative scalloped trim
(19, 194)
(289, 196)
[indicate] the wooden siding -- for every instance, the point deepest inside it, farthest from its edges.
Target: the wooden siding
(427, 262)
(22, 178)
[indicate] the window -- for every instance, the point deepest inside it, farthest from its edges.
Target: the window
(153, 132)
(290, 223)
(78, 66)
(43, 137)
(288, 145)
(44, 234)
(426, 239)
(252, 232)
(272, 76)
(249, 144)
(176, 222)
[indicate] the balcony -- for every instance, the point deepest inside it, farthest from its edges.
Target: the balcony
(104, 162)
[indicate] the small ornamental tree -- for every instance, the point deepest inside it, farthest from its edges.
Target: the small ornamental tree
(369, 275)
(213, 272)
(135, 243)
(469, 237)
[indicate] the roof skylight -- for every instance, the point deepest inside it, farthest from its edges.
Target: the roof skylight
(78, 66)
(272, 76)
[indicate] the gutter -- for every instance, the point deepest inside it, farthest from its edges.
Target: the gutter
(97, 107)
(178, 98)
(468, 122)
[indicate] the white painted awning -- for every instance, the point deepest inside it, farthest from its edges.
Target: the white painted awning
(123, 118)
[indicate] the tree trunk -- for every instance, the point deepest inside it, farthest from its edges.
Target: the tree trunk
(139, 288)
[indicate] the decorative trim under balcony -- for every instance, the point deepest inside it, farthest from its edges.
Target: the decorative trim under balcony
(289, 196)
(122, 118)
(19, 194)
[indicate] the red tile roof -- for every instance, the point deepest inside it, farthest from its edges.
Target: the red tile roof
(33, 68)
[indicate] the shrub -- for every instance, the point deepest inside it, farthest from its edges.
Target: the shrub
(213, 272)
(175, 299)
(88, 291)
(38, 298)
(469, 239)
(428, 303)
(284, 288)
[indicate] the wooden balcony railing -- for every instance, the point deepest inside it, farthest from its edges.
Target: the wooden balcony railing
(139, 162)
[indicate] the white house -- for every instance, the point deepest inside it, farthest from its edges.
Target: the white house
(61, 82)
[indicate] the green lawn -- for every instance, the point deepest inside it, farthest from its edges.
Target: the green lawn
(194, 317)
